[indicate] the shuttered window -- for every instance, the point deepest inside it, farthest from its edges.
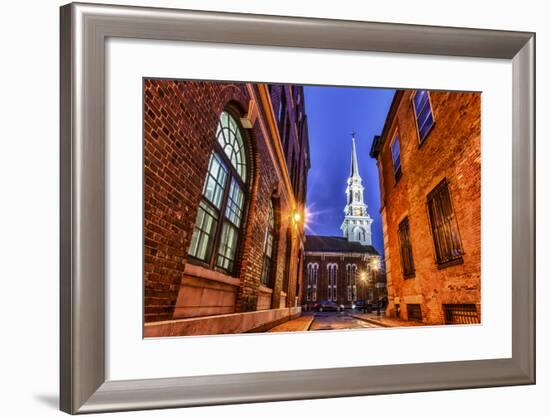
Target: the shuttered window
(447, 242)
(407, 260)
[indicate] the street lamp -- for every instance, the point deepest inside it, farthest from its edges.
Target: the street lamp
(364, 280)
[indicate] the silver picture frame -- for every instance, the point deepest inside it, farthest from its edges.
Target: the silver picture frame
(83, 33)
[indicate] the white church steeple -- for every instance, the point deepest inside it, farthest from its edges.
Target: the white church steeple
(357, 222)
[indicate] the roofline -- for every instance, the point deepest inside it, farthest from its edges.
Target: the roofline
(380, 139)
(348, 254)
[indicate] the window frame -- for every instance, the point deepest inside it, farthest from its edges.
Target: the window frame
(406, 273)
(270, 231)
(232, 174)
(351, 282)
(441, 263)
(312, 274)
(397, 172)
(421, 139)
(332, 290)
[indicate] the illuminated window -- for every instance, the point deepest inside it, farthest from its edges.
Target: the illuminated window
(312, 273)
(332, 270)
(351, 271)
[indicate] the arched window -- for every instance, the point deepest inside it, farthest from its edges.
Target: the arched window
(221, 210)
(267, 269)
(312, 272)
(351, 271)
(332, 270)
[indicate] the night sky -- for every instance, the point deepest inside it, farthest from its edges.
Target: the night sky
(333, 113)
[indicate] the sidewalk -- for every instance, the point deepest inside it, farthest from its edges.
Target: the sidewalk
(300, 324)
(383, 321)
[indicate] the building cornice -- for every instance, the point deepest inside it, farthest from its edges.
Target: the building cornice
(343, 254)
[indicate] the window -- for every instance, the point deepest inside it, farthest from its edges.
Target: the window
(312, 272)
(414, 312)
(332, 276)
(423, 113)
(407, 261)
(351, 271)
(448, 247)
(268, 247)
(396, 158)
(282, 111)
(221, 210)
(460, 314)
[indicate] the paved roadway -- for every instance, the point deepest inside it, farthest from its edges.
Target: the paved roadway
(338, 321)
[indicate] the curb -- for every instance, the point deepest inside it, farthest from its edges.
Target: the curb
(310, 323)
(304, 328)
(372, 321)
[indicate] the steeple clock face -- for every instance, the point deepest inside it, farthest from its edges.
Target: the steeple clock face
(357, 211)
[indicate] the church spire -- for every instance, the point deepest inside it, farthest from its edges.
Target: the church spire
(354, 168)
(356, 226)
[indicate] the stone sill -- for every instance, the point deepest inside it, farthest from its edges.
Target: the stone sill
(266, 289)
(205, 273)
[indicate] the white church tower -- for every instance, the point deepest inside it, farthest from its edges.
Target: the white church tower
(357, 222)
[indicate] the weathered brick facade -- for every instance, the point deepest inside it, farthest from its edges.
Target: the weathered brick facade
(179, 133)
(450, 152)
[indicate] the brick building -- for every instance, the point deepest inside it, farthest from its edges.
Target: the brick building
(225, 166)
(348, 268)
(429, 162)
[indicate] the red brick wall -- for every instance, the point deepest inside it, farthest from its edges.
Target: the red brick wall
(180, 119)
(453, 151)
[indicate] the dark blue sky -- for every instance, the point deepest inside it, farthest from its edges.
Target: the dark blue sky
(333, 113)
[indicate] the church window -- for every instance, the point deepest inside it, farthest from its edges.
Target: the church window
(351, 270)
(332, 270)
(312, 273)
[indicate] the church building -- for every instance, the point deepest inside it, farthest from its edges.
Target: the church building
(346, 268)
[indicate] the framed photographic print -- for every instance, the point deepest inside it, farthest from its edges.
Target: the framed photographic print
(260, 208)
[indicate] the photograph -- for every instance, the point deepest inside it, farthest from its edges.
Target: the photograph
(293, 208)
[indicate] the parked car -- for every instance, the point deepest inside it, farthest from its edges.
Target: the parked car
(361, 305)
(326, 305)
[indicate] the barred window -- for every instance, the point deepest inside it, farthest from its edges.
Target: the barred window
(407, 261)
(332, 270)
(312, 273)
(220, 213)
(423, 113)
(268, 247)
(447, 242)
(351, 271)
(414, 312)
(396, 158)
